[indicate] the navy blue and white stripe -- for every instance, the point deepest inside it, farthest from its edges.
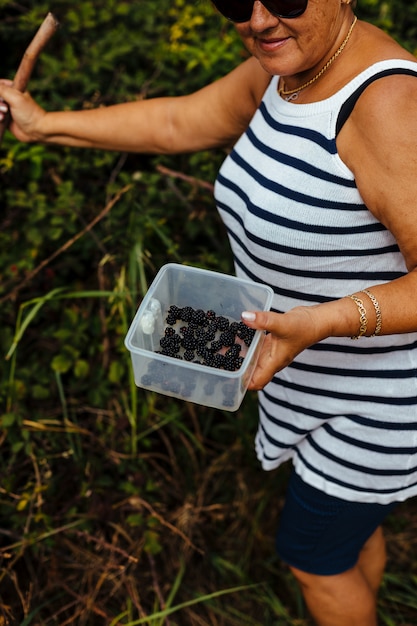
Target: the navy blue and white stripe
(345, 412)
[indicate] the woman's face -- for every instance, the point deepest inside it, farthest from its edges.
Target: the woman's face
(294, 46)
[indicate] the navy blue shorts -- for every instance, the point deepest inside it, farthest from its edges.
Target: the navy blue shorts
(321, 534)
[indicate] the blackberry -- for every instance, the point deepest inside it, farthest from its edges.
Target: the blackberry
(209, 388)
(218, 361)
(203, 351)
(186, 314)
(188, 384)
(155, 366)
(211, 315)
(189, 342)
(227, 338)
(188, 389)
(210, 334)
(169, 331)
(174, 310)
(245, 333)
(199, 317)
(173, 315)
(216, 346)
(234, 327)
(171, 385)
(175, 387)
(230, 388)
(200, 335)
(229, 364)
(208, 358)
(228, 394)
(222, 323)
(170, 345)
(188, 355)
(170, 342)
(202, 345)
(249, 336)
(233, 360)
(156, 374)
(169, 352)
(233, 351)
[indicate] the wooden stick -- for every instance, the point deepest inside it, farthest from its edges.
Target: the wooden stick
(24, 71)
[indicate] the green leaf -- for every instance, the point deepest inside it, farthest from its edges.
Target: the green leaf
(7, 420)
(81, 368)
(61, 363)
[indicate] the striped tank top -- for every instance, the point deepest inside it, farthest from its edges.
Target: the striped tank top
(344, 411)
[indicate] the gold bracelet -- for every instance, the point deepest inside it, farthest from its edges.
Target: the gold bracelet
(362, 316)
(378, 314)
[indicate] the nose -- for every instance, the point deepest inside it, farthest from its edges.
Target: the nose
(261, 19)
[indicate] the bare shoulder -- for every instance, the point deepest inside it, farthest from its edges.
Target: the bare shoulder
(373, 44)
(386, 111)
(379, 145)
(384, 116)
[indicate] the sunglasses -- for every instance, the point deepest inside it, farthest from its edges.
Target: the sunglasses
(241, 10)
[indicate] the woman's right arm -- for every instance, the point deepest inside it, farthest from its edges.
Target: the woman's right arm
(213, 116)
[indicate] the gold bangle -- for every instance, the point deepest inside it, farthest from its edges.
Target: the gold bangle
(378, 314)
(362, 316)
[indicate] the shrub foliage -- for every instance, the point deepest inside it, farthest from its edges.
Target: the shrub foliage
(118, 506)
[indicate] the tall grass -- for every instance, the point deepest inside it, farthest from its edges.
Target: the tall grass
(118, 506)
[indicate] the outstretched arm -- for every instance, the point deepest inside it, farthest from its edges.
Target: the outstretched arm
(213, 116)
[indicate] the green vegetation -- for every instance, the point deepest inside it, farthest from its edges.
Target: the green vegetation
(119, 507)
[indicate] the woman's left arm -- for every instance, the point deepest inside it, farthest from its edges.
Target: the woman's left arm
(379, 144)
(382, 133)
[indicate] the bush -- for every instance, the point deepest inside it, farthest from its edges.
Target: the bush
(118, 506)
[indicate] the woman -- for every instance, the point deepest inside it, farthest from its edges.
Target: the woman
(318, 197)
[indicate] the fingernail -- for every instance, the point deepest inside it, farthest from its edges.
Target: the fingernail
(248, 316)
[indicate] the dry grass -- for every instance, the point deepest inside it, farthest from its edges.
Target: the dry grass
(193, 518)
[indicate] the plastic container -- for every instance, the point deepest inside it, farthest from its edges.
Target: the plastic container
(183, 286)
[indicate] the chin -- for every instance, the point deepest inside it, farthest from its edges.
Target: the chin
(270, 65)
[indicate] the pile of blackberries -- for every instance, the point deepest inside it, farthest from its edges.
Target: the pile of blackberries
(203, 337)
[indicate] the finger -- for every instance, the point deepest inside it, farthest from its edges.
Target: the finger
(4, 109)
(260, 320)
(6, 89)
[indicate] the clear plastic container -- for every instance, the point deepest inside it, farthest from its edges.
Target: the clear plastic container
(183, 286)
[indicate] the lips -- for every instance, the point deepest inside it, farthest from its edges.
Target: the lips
(271, 44)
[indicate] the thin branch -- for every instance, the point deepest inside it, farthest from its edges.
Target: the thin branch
(195, 182)
(66, 245)
(137, 502)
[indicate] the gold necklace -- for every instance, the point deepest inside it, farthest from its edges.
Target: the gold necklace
(292, 94)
